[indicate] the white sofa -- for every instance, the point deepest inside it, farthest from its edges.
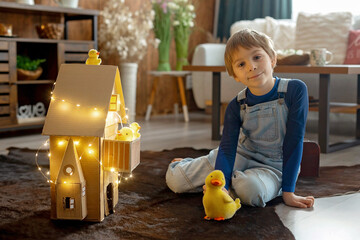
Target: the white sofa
(309, 31)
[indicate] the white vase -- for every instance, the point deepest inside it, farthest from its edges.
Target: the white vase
(29, 2)
(128, 75)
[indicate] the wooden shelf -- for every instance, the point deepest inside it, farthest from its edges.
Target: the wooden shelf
(15, 93)
(25, 82)
(22, 126)
(37, 8)
(41, 40)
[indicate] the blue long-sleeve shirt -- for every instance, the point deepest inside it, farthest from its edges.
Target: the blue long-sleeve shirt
(296, 99)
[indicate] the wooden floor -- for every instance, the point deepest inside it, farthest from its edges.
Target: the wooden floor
(331, 218)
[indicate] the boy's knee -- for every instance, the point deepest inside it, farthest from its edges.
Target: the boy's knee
(172, 178)
(250, 190)
(175, 179)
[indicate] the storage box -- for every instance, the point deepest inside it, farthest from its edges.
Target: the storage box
(122, 156)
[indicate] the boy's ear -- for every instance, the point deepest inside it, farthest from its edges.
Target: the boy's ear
(273, 62)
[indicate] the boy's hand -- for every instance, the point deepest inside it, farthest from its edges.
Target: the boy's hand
(293, 200)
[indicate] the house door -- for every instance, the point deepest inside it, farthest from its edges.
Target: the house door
(110, 197)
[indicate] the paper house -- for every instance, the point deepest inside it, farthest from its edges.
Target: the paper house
(82, 121)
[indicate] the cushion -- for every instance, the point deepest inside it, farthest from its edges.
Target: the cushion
(356, 24)
(353, 48)
(319, 30)
(258, 24)
(282, 32)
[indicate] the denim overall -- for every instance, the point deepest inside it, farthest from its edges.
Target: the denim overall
(257, 172)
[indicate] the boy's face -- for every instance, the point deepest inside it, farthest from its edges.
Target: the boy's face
(254, 68)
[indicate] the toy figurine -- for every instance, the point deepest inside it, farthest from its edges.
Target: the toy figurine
(93, 58)
(136, 127)
(218, 204)
(125, 134)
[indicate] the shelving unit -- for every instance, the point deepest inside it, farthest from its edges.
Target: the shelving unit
(15, 93)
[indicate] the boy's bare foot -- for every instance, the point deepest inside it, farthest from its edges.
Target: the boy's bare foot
(177, 160)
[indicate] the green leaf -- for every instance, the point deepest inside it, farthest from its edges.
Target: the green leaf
(26, 63)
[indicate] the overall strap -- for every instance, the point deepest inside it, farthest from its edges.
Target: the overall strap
(241, 98)
(282, 88)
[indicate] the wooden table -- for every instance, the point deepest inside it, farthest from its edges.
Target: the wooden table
(324, 99)
(179, 75)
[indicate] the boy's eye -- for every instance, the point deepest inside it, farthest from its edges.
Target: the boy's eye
(257, 57)
(241, 64)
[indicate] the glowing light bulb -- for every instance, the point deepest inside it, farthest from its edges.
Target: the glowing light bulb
(65, 182)
(76, 142)
(95, 113)
(63, 100)
(60, 143)
(126, 178)
(78, 105)
(131, 175)
(91, 151)
(46, 143)
(90, 145)
(48, 173)
(79, 158)
(39, 168)
(112, 170)
(49, 154)
(52, 98)
(36, 154)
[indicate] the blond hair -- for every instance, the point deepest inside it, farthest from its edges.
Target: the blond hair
(247, 38)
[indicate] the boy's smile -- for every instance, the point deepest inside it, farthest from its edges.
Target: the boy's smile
(254, 68)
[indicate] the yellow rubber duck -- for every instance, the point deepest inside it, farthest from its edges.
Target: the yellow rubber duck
(136, 127)
(218, 205)
(93, 58)
(125, 134)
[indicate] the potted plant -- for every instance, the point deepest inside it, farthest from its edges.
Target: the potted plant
(28, 69)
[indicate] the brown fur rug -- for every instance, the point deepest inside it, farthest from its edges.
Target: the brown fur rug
(147, 209)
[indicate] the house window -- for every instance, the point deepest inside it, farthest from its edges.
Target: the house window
(68, 170)
(69, 203)
(114, 100)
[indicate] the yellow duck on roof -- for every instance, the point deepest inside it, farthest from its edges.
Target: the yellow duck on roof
(93, 58)
(218, 205)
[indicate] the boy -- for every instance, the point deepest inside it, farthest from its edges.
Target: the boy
(264, 126)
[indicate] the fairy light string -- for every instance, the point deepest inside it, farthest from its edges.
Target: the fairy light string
(95, 110)
(88, 150)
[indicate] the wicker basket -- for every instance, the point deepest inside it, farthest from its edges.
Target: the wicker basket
(29, 75)
(293, 59)
(50, 30)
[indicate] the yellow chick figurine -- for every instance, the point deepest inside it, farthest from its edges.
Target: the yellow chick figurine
(125, 134)
(136, 127)
(218, 205)
(93, 58)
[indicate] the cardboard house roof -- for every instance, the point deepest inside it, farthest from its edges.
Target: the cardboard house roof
(81, 99)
